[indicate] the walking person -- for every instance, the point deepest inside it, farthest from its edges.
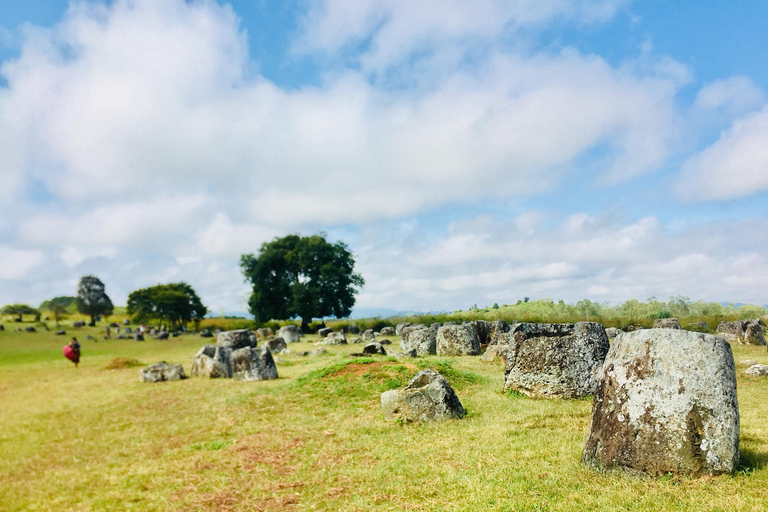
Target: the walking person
(72, 351)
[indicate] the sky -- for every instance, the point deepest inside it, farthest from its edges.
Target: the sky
(467, 152)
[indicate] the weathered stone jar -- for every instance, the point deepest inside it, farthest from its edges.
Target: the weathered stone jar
(666, 403)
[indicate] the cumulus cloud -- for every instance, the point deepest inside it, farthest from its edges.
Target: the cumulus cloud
(735, 166)
(139, 97)
(581, 256)
(16, 264)
(165, 154)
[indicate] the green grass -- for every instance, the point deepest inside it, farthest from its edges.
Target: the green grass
(87, 439)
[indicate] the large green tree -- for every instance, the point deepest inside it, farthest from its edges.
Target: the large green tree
(304, 277)
(92, 299)
(175, 303)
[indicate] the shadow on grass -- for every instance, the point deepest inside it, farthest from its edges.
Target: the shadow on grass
(752, 460)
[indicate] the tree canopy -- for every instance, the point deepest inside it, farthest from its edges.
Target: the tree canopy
(175, 303)
(68, 303)
(92, 299)
(18, 310)
(304, 277)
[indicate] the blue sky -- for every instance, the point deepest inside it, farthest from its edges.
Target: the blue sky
(604, 149)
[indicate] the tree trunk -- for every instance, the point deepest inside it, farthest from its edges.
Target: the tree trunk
(93, 321)
(305, 324)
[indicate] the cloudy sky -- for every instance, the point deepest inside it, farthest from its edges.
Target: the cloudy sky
(468, 152)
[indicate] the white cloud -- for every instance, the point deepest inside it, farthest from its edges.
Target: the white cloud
(17, 263)
(735, 166)
(397, 29)
(597, 258)
(735, 94)
(126, 101)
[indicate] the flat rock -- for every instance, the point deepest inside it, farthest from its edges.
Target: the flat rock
(666, 403)
(757, 370)
(457, 340)
(162, 371)
(428, 397)
(555, 360)
(253, 363)
(374, 348)
(317, 352)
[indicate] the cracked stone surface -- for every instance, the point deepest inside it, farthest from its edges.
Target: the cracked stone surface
(666, 404)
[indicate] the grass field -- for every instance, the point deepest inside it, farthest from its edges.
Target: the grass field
(97, 439)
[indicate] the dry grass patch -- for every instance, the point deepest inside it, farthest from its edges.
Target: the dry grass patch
(120, 363)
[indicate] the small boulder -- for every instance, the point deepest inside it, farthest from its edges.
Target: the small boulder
(357, 340)
(60, 333)
(163, 335)
(205, 333)
(263, 333)
(162, 371)
(428, 397)
(612, 332)
(457, 340)
(137, 336)
(368, 335)
(213, 361)
(666, 403)
(420, 338)
(251, 363)
(399, 328)
(666, 323)
(757, 370)
(374, 348)
(317, 352)
(290, 333)
(385, 342)
(352, 329)
(496, 331)
(407, 353)
(127, 330)
(748, 332)
(236, 339)
(555, 360)
(30, 329)
(325, 331)
(78, 324)
(387, 331)
(126, 321)
(335, 338)
(276, 344)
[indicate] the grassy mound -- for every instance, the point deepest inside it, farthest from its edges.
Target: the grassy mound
(120, 363)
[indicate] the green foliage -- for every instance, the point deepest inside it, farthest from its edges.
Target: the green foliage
(175, 303)
(18, 310)
(68, 303)
(92, 299)
(304, 277)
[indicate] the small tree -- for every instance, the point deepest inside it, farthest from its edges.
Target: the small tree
(301, 276)
(176, 303)
(59, 306)
(92, 300)
(19, 310)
